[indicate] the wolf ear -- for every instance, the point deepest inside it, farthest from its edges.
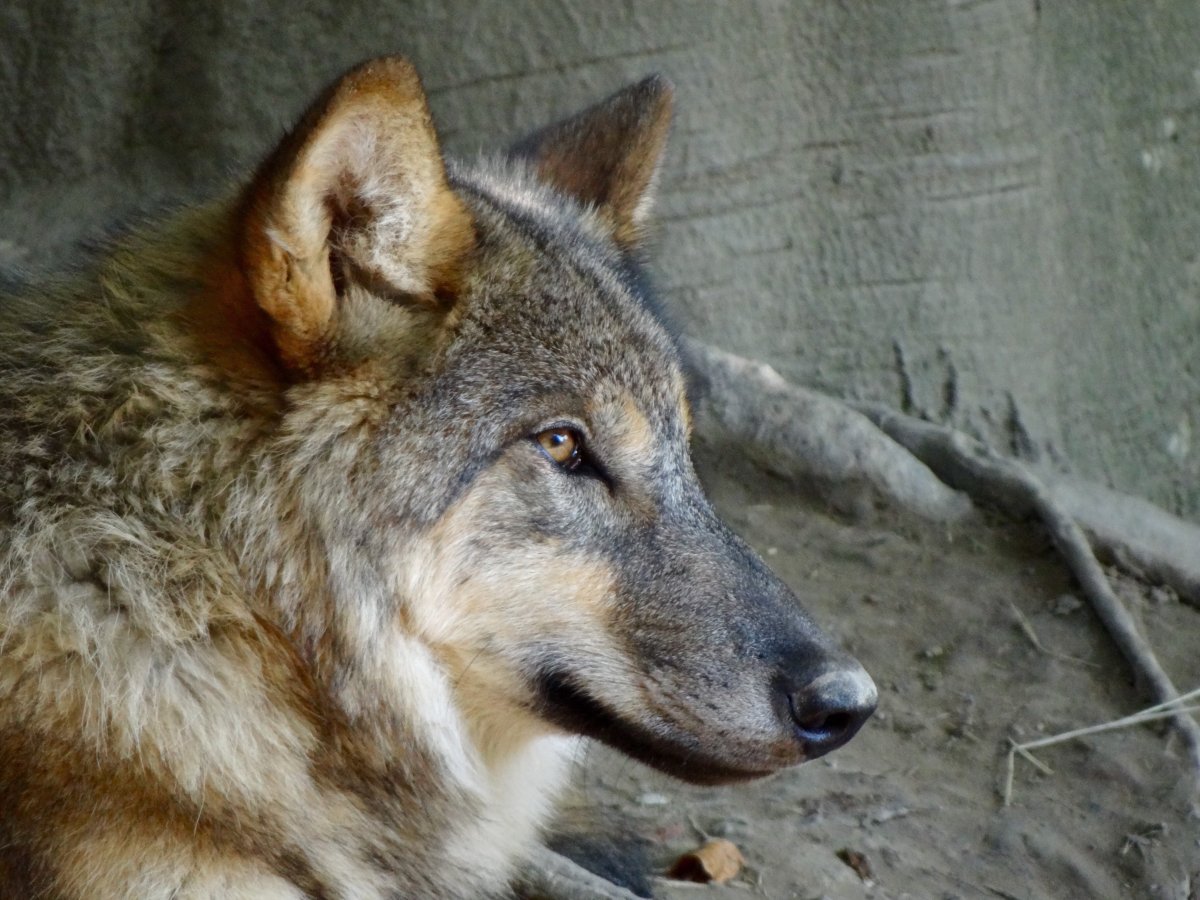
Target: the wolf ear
(608, 155)
(357, 192)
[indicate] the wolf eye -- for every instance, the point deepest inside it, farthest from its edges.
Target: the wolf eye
(562, 445)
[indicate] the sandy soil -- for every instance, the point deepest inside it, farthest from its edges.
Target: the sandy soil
(933, 616)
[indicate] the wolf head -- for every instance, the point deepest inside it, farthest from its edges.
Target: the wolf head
(489, 441)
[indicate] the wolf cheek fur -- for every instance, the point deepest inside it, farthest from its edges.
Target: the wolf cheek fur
(328, 512)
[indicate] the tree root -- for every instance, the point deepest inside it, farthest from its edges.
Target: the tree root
(970, 466)
(547, 875)
(813, 439)
(1134, 534)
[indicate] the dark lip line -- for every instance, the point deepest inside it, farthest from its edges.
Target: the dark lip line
(561, 701)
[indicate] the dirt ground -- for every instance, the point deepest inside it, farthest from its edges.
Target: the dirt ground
(932, 613)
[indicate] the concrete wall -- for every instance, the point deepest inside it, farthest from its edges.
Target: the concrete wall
(987, 212)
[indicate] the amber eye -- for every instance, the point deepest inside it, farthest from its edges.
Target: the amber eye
(561, 445)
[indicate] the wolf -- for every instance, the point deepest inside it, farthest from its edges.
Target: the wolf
(334, 511)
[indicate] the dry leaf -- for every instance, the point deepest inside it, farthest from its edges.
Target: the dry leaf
(858, 862)
(716, 862)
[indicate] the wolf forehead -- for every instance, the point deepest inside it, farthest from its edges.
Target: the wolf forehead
(550, 303)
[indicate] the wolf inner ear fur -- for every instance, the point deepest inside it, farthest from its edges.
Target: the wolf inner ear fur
(357, 191)
(608, 155)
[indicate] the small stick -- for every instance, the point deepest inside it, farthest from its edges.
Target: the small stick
(1167, 710)
(1167, 704)
(1033, 760)
(1009, 770)
(1126, 722)
(1026, 627)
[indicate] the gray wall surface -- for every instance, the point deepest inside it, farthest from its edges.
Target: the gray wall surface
(984, 212)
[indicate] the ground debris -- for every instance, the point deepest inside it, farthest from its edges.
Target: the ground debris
(883, 814)
(1065, 604)
(858, 862)
(715, 862)
(1143, 837)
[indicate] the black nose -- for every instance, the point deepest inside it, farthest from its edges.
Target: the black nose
(829, 709)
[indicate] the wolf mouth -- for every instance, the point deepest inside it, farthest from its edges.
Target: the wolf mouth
(562, 701)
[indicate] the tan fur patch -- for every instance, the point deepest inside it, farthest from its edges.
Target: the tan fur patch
(230, 329)
(360, 179)
(685, 406)
(470, 616)
(636, 434)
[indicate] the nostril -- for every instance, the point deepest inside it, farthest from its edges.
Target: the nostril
(824, 728)
(830, 710)
(827, 723)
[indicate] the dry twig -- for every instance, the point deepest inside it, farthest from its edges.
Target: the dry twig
(1172, 709)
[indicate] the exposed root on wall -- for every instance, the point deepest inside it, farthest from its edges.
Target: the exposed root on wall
(813, 439)
(547, 875)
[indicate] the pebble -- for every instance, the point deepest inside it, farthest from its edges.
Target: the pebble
(1065, 604)
(653, 799)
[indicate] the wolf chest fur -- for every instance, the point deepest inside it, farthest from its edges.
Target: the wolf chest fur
(333, 512)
